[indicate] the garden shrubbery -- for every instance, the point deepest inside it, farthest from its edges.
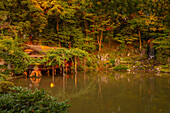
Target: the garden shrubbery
(17, 99)
(5, 85)
(120, 67)
(28, 101)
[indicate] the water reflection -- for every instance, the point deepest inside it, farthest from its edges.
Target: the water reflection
(102, 92)
(75, 80)
(34, 82)
(52, 84)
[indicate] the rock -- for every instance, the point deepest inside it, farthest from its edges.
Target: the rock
(158, 69)
(117, 62)
(128, 70)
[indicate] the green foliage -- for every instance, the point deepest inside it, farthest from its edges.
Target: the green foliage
(162, 45)
(92, 63)
(60, 55)
(120, 67)
(163, 55)
(85, 24)
(14, 55)
(163, 68)
(112, 62)
(5, 86)
(10, 49)
(25, 100)
(3, 77)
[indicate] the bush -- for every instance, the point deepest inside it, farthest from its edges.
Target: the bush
(112, 62)
(5, 85)
(120, 67)
(162, 56)
(24, 100)
(12, 53)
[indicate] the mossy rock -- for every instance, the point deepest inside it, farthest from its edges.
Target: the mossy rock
(3, 77)
(163, 68)
(137, 63)
(120, 67)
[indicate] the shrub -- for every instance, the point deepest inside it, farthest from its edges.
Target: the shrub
(12, 53)
(120, 67)
(5, 85)
(112, 62)
(24, 100)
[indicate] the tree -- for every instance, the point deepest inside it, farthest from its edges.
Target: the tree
(27, 16)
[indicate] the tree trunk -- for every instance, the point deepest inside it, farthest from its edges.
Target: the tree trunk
(100, 47)
(100, 41)
(59, 43)
(75, 64)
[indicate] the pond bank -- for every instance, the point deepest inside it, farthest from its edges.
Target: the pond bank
(127, 62)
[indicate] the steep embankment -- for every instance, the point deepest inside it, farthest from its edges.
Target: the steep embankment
(128, 57)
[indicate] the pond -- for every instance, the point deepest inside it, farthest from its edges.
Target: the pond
(107, 92)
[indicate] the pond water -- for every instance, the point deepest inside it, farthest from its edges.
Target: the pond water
(107, 92)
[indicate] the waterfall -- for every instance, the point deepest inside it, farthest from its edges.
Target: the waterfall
(151, 49)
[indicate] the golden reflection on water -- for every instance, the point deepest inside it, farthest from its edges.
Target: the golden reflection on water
(52, 85)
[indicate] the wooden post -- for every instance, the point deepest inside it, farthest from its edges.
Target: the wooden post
(66, 68)
(48, 72)
(61, 70)
(75, 64)
(52, 78)
(53, 70)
